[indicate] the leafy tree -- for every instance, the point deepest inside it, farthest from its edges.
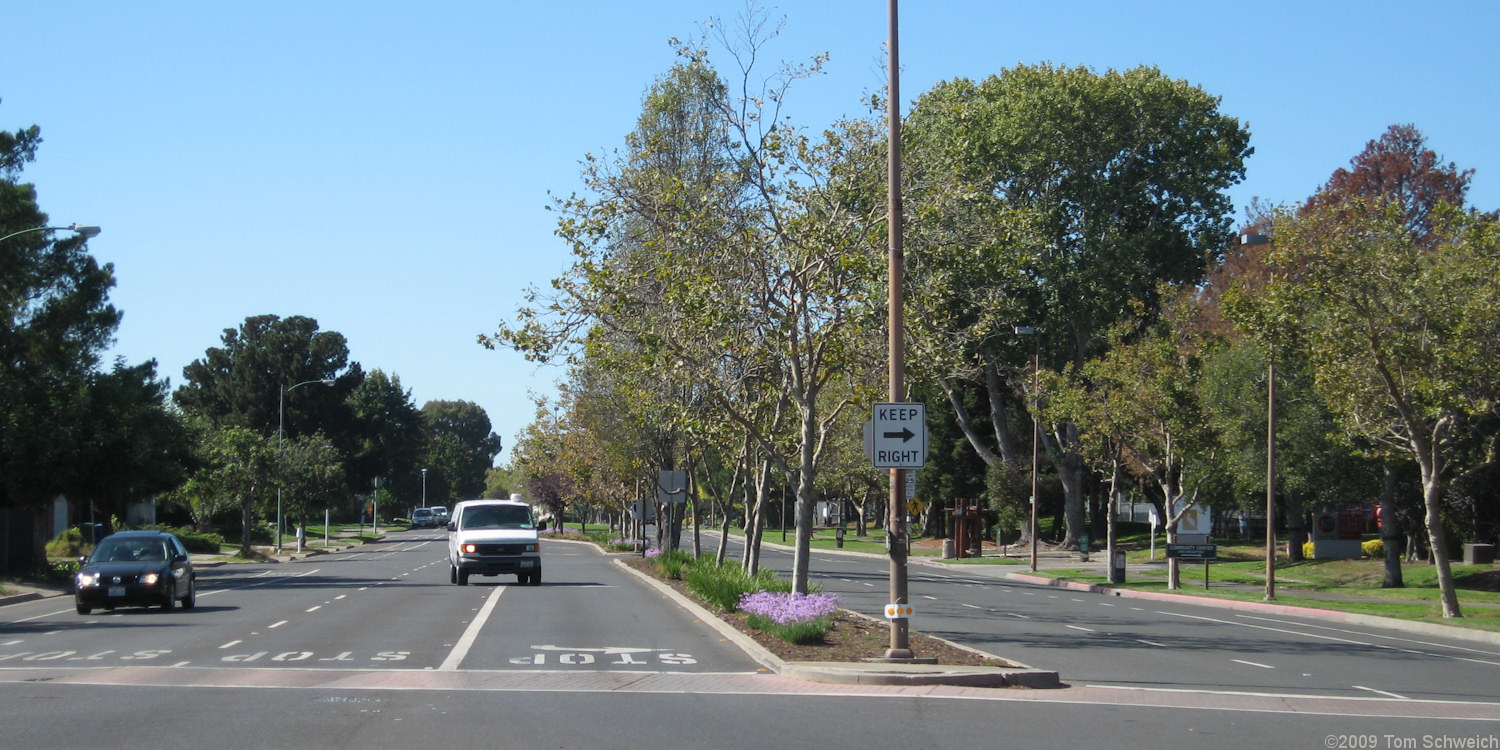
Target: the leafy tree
(55, 319)
(1056, 197)
(130, 446)
(460, 448)
(733, 256)
(311, 475)
(391, 440)
(241, 382)
(1400, 331)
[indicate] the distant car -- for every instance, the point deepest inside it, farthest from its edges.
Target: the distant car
(441, 513)
(424, 518)
(136, 568)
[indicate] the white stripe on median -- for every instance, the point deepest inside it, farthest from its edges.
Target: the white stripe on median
(461, 649)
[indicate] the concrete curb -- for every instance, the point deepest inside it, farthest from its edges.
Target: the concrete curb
(860, 673)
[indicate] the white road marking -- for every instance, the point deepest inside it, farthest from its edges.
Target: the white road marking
(465, 642)
(1023, 617)
(1076, 627)
(1152, 643)
(231, 643)
(277, 625)
(1382, 692)
(315, 609)
(971, 606)
(1252, 664)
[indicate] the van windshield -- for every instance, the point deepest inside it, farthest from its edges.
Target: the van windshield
(497, 517)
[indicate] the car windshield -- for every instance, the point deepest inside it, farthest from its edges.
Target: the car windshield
(497, 517)
(127, 550)
(422, 512)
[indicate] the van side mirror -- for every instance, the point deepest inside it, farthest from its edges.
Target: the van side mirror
(453, 526)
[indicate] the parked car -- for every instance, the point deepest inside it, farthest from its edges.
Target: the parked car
(136, 568)
(442, 515)
(492, 537)
(424, 518)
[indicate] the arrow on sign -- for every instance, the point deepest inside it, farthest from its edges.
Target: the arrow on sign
(905, 434)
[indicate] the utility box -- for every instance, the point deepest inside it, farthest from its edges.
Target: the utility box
(1479, 554)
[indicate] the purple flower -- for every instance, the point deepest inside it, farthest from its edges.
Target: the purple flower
(784, 608)
(653, 552)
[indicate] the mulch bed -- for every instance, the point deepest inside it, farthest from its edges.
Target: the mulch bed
(851, 639)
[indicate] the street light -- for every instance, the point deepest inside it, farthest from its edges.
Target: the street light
(86, 230)
(1036, 426)
(424, 487)
(280, 434)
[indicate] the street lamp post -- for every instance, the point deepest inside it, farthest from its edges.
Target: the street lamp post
(424, 487)
(280, 435)
(1036, 426)
(83, 229)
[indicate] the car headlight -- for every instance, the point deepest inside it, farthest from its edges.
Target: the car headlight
(88, 580)
(532, 547)
(469, 548)
(149, 579)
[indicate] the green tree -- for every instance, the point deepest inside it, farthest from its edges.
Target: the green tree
(241, 382)
(460, 448)
(1056, 197)
(55, 320)
(391, 440)
(1400, 330)
(311, 475)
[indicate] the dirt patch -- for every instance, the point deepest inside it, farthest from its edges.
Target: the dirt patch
(851, 639)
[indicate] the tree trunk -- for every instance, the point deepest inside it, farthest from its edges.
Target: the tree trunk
(1391, 537)
(1296, 526)
(1432, 495)
(723, 542)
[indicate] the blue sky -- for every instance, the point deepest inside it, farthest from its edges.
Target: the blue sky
(384, 167)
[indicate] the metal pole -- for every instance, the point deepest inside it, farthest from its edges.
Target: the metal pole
(1271, 479)
(280, 433)
(1036, 438)
(900, 647)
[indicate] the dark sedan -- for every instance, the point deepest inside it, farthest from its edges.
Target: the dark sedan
(136, 568)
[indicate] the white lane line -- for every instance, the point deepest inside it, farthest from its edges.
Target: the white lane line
(465, 642)
(340, 596)
(971, 606)
(1263, 627)
(314, 609)
(231, 643)
(1076, 627)
(932, 598)
(1398, 638)
(1152, 643)
(1382, 692)
(1105, 604)
(10, 643)
(1252, 663)
(182, 664)
(277, 625)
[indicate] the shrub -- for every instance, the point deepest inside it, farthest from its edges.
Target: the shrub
(197, 542)
(68, 544)
(724, 586)
(802, 633)
(1374, 548)
(1307, 550)
(788, 607)
(670, 564)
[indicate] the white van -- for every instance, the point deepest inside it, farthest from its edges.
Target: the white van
(493, 537)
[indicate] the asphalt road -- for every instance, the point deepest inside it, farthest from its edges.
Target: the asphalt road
(375, 648)
(1099, 639)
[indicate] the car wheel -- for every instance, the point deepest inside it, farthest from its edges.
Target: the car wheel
(452, 574)
(192, 595)
(171, 601)
(536, 577)
(84, 609)
(463, 577)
